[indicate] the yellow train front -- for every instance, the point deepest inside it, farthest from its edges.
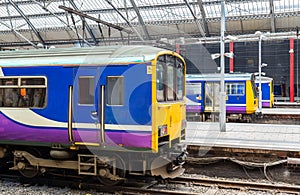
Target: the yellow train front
(101, 111)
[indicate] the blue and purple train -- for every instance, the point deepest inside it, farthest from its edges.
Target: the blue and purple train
(100, 111)
(202, 92)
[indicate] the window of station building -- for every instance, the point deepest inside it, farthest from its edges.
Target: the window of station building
(115, 91)
(28, 92)
(86, 90)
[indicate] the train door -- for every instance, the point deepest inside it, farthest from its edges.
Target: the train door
(212, 96)
(87, 112)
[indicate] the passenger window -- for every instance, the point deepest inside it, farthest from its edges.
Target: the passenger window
(193, 88)
(235, 88)
(86, 90)
(115, 91)
(29, 92)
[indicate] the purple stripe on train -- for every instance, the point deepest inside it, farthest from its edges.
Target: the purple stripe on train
(193, 108)
(13, 131)
(236, 109)
(266, 104)
(229, 109)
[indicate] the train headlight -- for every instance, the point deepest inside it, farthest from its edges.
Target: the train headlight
(162, 130)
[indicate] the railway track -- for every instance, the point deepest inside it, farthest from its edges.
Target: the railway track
(151, 186)
(230, 184)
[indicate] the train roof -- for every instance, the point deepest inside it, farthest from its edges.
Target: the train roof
(264, 79)
(102, 55)
(217, 77)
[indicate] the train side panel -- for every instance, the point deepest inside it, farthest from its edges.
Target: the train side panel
(194, 98)
(40, 125)
(236, 97)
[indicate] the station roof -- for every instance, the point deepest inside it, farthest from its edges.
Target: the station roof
(99, 22)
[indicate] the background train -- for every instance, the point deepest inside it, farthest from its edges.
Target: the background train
(104, 112)
(202, 92)
(267, 90)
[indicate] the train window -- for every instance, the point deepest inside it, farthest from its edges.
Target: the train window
(29, 92)
(193, 88)
(169, 78)
(11, 82)
(170, 82)
(235, 88)
(115, 91)
(86, 90)
(159, 82)
(179, 79)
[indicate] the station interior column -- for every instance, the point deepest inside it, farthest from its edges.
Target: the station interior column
(231, 60)
(291, 70)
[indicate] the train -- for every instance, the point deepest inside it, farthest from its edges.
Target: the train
(202, 93)
(104, 112)
(267, 90)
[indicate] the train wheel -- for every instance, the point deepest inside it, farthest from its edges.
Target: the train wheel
(108, 177)
(26, 169)
(30, 172)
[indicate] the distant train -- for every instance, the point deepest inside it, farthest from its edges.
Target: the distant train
(267, 90)
(202, 92)
(104, 112)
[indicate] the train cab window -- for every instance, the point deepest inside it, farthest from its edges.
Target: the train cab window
(86, 90)
(169, 78)
(115, 91)
(28, 92)
(159, 82)
(179, 79)
(170, 95)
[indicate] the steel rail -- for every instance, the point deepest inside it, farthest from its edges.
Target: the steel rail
(224, 183)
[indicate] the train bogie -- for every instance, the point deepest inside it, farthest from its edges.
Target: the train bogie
(90, 108)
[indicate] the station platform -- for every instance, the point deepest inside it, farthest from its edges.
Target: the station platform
(281, 111)
(244, 135)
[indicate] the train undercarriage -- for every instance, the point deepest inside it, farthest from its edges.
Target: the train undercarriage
(214, 117)
(109, 167)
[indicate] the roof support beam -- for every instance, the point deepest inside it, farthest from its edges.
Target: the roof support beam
(203, 15)
(272, 17)
(85, 23)
(28, 22)
(124, 18)
(195, 18)
(62, 21)
(141, 21)
(94, 19)
(19, 34)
